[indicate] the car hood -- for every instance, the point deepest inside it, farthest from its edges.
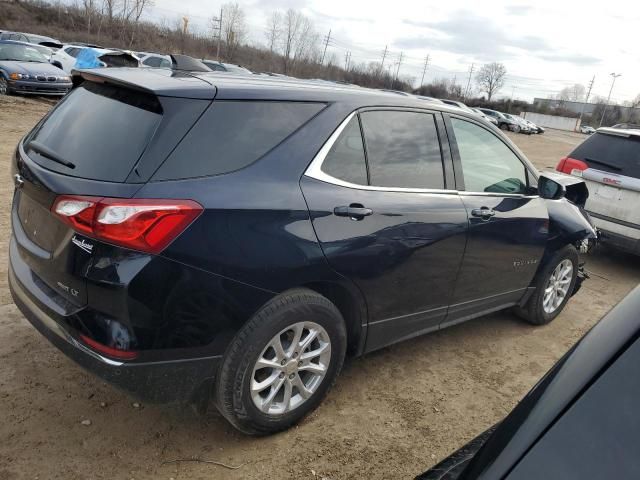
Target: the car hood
(31, 68)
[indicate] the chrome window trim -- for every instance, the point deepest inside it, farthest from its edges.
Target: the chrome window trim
(314, 170)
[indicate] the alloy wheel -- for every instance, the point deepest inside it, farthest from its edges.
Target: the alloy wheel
(3, 86)
(557, 287)
(290, 368)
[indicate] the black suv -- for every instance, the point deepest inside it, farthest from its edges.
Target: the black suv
(188, 236)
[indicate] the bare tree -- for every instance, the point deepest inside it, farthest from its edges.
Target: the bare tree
(491, 78)
(298, 39)
(273, 30)
(234, 28)
(572, 93)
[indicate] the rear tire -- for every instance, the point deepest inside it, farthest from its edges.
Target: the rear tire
(504, 126)
(271, 375)
(557, 276)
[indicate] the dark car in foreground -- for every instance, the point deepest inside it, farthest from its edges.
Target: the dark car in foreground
(504, 123)
(196, 235)
(25, 69)
(609, 163)
(28, 38)
(580, 421)
(226, 67)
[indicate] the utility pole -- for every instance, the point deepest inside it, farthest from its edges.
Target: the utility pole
(218, 21)
(424, 70)
(586, 100)
(466, 90)
(397, 70)
(613, 82)
(513, 91)
(347, 60)
(326, 43)
(384, 55)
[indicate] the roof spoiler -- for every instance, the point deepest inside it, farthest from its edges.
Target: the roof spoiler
(185, 63)
(51, 44)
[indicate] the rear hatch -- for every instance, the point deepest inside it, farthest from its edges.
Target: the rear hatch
(609, 163)
(105, 140)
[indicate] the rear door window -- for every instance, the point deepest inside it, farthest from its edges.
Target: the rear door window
(233, 134)
(346, 161)
(610, 153)
(98, 130)
(403, 149)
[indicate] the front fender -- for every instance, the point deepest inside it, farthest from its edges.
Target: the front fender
(569, 224)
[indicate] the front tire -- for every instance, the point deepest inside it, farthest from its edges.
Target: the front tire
(4, 87)
(554, 286)
(281, 364)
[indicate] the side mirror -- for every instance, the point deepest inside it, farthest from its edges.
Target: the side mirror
(550, 189)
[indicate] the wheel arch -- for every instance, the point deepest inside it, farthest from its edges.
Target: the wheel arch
(352, 307)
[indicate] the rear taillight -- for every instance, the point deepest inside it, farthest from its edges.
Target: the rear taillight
(571, 166)
(148, 225)
(109, 351)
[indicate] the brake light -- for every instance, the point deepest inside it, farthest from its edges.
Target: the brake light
(109, 351)
(572, 166)
(148, 225)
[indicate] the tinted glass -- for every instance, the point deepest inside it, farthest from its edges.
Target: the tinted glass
(611, 154)
(345, 160)
(152, 61)
(231, 135)
(403, 149)
(104, 140)
(488, 165)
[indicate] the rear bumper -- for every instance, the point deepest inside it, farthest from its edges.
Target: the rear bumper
(619, 234)
(176, 381)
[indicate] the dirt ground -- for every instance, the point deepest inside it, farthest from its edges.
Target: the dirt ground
(392, 414)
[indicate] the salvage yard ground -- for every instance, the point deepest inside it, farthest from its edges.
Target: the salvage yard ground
(392, 414)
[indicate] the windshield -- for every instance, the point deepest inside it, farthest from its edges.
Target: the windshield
(21, 53)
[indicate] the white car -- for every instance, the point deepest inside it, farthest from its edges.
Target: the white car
(587, 129)
(66, 57)
(609, 163)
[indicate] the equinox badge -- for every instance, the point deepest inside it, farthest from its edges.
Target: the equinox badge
(80, 242)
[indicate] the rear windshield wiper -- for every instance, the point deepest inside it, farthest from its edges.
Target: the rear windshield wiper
(48, 153)
(610, 165)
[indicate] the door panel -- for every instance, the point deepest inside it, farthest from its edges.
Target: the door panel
(503, 252)
(508, 227)
(404, 256)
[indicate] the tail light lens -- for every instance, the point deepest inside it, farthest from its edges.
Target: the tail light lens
(109, 351)
(147, 225)
(572, 166)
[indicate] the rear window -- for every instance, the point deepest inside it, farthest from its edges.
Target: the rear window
(610, 153)
(233, 134)
(100, 132)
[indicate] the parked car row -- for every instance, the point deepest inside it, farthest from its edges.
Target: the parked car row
(24, 58)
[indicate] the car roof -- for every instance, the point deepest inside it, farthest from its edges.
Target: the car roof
(619, 132)
(228, 86)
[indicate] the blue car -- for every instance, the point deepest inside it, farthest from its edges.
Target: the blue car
(25, 69)
(228, 240)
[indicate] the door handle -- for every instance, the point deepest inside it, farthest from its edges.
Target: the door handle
(355, 211)
(484, 212)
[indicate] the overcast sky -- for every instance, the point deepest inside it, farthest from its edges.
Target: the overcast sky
(545, 45)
